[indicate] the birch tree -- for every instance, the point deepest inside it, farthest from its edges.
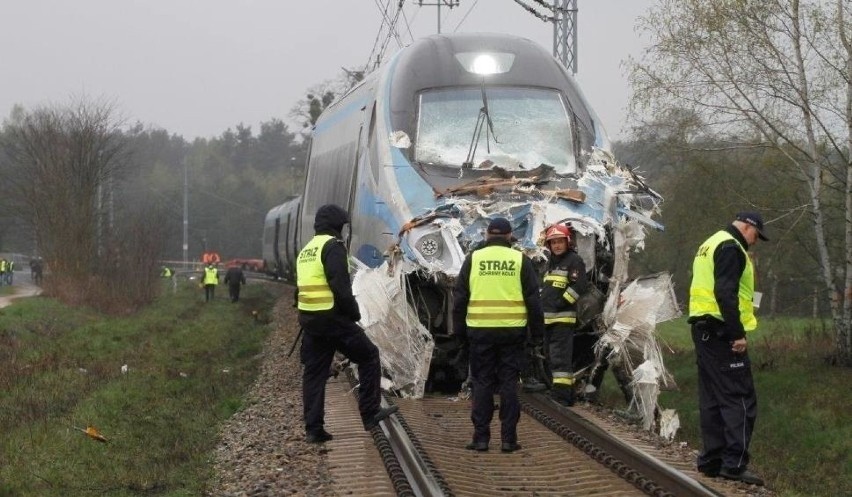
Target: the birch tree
(771, 73)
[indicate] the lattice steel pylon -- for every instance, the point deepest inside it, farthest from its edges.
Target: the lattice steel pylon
(565, 33)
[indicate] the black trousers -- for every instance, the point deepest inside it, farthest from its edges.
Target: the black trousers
(209, 292)
(495, 367)
(727, 401)
(560, 350)
(234, 292)
(317, 352)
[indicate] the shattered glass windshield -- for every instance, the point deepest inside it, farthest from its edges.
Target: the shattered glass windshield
(531, 127)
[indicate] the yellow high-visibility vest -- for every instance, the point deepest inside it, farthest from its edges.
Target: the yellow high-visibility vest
(496, 295)
(314, 292)
(702, 300)
(211, 276)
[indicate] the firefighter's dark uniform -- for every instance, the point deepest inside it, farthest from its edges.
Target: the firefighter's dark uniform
(328, 314)
(496, 297)
(564, 282)
(721, 311)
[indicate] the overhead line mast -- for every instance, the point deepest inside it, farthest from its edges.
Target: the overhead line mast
(565, 33)
(563, 15)
(438, 3)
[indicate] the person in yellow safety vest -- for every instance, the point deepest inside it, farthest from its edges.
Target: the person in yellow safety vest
(329, 315)
(167, 272)
(210, 280)
(721, 312)
(10, 272)
(495, 299)
(564, 282)
(3, 267)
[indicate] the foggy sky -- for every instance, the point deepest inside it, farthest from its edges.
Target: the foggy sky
(199, 67)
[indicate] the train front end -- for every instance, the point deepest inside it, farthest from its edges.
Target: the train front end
(493, 126)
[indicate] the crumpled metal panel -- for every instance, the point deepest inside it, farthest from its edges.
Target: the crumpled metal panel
(608, 197)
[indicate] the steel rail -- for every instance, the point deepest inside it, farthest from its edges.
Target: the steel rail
(411, 473)
(417, 470)
(645, 471)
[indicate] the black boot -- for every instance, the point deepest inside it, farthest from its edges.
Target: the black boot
(380, 416)
(531, 384)
(563, 395)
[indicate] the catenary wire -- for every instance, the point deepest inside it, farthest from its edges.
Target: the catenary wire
(465, 15)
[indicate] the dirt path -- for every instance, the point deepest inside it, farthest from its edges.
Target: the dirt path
(20, 288)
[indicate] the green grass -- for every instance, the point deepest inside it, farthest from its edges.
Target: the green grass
(802, 441)
(189, 366)
(60, 369)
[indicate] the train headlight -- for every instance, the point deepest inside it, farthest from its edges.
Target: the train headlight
(485, 63)
(431, 246)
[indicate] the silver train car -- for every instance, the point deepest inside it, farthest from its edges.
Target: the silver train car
(452, 131)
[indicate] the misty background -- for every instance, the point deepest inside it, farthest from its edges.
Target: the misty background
(198, 67)
(213, 96)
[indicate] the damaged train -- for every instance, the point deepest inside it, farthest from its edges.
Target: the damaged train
(452, 131)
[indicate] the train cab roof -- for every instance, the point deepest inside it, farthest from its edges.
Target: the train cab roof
(444, 61)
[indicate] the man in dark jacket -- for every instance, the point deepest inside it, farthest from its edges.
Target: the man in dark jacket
(564, 283)
(328, 314)
(721, 311)
(234, 277)
(495, 299)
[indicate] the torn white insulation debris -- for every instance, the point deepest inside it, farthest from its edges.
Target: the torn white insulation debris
(630, 338)
(669, 424)
(405, 344)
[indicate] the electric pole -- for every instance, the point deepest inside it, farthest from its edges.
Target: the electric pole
(563, 15)
(185, 214)
(446, 3)
(565, 33)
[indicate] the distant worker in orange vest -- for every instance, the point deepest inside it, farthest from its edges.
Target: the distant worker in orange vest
(210, 258)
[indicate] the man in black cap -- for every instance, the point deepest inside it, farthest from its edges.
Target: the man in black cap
(721, 311)
(328, 314)
(495, 299)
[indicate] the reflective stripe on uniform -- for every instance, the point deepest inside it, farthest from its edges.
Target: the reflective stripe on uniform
(570, 295)
(560, 317)
(560, 378)
(557, 279)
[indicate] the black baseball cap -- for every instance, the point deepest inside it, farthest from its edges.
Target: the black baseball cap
(499, 226)
(754, 219)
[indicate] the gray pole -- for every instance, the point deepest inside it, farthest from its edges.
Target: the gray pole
(185, 214)
(447, 3)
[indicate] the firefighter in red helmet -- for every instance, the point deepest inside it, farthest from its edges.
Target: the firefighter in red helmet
(564, 282)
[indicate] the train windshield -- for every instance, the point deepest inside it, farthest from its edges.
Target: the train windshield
(530, 127)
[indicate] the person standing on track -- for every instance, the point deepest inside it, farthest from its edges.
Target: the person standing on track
(564, 282)
(721, 311)
(329, 315)
(496, 297)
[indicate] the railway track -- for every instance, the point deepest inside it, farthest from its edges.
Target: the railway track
(420, 452)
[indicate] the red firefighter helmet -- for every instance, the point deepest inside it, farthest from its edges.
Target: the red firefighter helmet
(557, 231)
